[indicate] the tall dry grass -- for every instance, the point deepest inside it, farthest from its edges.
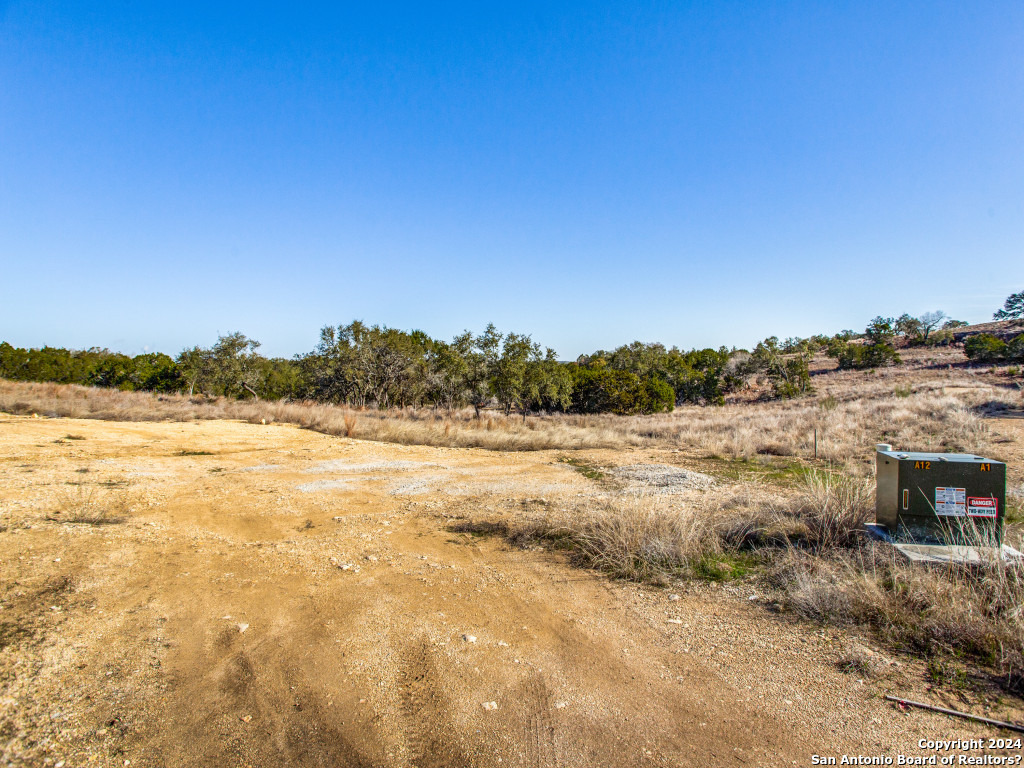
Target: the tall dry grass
(939, 610)
(633, 536)
(811, 548)
(407, 426)
(847, 414)
(828, 510)
(934, 416)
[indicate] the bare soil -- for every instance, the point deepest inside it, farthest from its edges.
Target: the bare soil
(275, 597)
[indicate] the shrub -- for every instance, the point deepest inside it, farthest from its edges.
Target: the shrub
(794, 378)
(1015, 348)
(860, 356)
(788, 373)
(984, 347)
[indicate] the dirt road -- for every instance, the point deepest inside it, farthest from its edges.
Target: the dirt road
(278, 597)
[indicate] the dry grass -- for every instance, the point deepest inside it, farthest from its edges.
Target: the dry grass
(830, 509)
(858, 659)
(406, 426)
(811, 550)
(939, 416)
(934, 611)
(635, 537)
(92, 505)
(849, 414)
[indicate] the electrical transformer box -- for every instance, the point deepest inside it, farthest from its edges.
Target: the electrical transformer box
(940, 498)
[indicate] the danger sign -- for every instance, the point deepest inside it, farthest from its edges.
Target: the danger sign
(980, 506)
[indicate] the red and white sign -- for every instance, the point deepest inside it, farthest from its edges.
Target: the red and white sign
(982, 506)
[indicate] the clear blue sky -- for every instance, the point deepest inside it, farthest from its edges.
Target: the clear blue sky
(593, 173)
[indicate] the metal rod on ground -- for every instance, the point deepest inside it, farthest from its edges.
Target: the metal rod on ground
(815, 442)
(954, 713)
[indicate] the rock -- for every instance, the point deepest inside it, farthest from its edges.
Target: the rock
(560, 705)
(242, 628)
(490, 706)
(469, 638)
(503, 644)
(246, 718)
(674, 621)
(673, 597)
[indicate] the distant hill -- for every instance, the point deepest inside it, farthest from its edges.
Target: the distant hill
(1003, 329)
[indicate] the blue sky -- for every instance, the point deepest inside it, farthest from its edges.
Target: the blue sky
(693, 173)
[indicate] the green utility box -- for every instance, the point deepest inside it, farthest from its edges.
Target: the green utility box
(940, 498)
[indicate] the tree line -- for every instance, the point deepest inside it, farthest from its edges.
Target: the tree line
(376, 366)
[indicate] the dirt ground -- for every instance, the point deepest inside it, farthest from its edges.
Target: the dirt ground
(276, 597)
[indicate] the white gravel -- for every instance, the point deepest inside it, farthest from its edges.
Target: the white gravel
(662, 478)
(324, 485)
(340, 465)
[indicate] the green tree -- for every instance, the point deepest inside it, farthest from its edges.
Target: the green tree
(548, 384)
(878, 350)
(908, 327)
(789, 375)
(1013, 308)
(509, 382)
(233, 366)
(448, 374)
(195, 369)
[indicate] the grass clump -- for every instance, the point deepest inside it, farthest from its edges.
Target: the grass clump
(92, 505)
(858, 659)
(830, 509)
(634, 537)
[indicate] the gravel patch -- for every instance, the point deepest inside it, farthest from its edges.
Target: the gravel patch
(324, 485)
(340, 465)
(662, 478)
(412, 488)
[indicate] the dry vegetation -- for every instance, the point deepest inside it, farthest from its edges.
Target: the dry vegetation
(806, 546)
(849, 411)
(405, 426)
(810, 553)
(81, 503)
